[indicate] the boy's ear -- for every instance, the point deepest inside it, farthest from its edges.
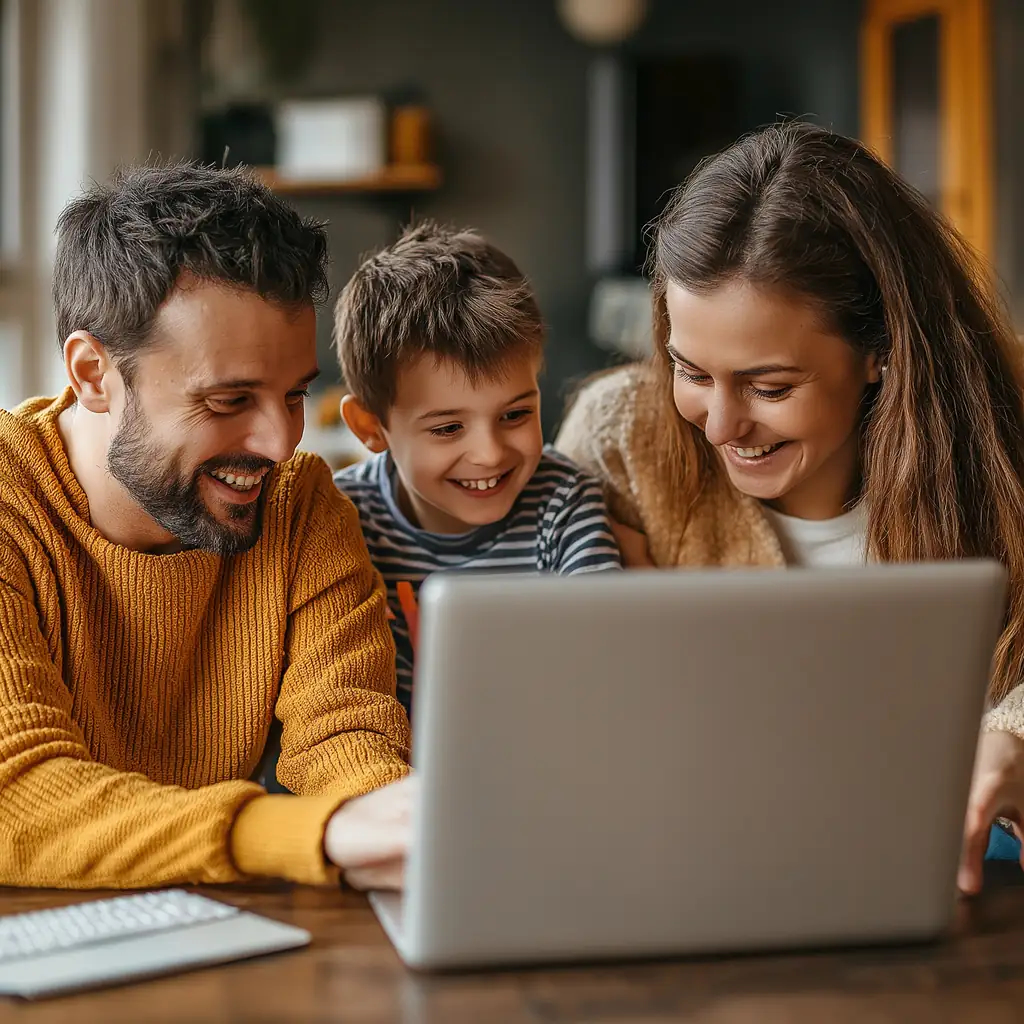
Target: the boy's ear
(364, 424)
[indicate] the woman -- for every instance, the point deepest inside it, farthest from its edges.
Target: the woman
(831, 382)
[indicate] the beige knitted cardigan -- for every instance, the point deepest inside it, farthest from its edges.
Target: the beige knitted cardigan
(612, 431)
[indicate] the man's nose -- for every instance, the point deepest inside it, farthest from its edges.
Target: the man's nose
(275, 434)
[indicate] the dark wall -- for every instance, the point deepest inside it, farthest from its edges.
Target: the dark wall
(799, 58)
(507, 86)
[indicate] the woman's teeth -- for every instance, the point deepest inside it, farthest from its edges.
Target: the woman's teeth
(753, 453)
(238, 483)
(480, 485)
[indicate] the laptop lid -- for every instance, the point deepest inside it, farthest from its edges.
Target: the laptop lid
(666, 762)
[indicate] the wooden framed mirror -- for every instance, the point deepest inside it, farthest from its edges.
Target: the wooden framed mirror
(926, 103)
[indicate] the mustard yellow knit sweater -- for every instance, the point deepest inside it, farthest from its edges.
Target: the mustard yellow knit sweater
(137, 690)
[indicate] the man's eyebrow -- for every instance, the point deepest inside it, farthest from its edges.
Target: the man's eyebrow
(753, 371)
(246, 385)
(225, 385)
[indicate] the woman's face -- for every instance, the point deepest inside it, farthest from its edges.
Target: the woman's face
(776, 393)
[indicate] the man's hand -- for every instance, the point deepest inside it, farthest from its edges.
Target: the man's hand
(368, 837)
(632, 546)
(997, 790)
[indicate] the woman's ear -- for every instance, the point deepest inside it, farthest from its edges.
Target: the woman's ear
(875, 369)
(364, 424)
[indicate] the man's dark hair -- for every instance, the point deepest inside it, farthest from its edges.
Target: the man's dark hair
(122, 246)
(436, 291)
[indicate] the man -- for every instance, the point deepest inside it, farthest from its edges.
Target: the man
(171, 578)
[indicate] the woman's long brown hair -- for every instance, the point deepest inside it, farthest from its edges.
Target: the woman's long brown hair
(798, 208)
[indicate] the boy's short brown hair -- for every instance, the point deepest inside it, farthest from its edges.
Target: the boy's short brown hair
(438, 291)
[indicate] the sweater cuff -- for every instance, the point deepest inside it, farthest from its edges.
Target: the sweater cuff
(282, 836)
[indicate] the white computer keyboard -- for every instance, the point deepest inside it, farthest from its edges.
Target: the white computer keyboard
(67, 927)
(114, 940)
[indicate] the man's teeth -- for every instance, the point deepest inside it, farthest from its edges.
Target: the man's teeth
(480, 485)
(239, 483)
(753, 453)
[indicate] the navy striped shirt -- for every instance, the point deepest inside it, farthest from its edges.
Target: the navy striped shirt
(558, 523)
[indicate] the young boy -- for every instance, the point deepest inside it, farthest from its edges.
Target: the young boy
(440, 343)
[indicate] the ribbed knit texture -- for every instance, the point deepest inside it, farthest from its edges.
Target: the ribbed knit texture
(137, 690)
(613, 432)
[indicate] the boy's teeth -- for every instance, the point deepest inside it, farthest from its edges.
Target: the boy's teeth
(753, 453)
(480, 485)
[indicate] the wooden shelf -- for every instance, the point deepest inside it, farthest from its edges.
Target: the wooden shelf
(396, 178)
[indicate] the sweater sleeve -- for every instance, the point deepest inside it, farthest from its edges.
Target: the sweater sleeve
(343, 731)
(68, 821)
(594, 435)
(1008, 714)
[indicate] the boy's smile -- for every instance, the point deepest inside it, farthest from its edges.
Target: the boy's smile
(463, 448)
(485, 488)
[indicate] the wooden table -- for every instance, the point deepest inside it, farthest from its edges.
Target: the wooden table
(351, 974)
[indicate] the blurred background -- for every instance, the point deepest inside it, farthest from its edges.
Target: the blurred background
(557, 127)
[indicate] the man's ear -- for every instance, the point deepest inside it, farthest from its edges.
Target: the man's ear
(91, 371)
(364, 424)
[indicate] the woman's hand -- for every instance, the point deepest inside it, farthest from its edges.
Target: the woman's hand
(997, 790)
(632, 546)
(368, 837)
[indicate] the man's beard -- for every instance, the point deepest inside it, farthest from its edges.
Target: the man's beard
(174, 501)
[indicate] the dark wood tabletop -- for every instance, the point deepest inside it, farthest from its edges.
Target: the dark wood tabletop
(350, 973)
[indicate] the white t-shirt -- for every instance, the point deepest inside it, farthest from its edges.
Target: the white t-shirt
(814, 543)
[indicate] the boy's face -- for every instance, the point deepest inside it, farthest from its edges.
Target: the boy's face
(463, 451)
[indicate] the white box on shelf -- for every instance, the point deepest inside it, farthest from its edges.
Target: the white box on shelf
(339, 139)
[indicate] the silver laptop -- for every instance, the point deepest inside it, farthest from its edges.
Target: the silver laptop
(655, 763)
